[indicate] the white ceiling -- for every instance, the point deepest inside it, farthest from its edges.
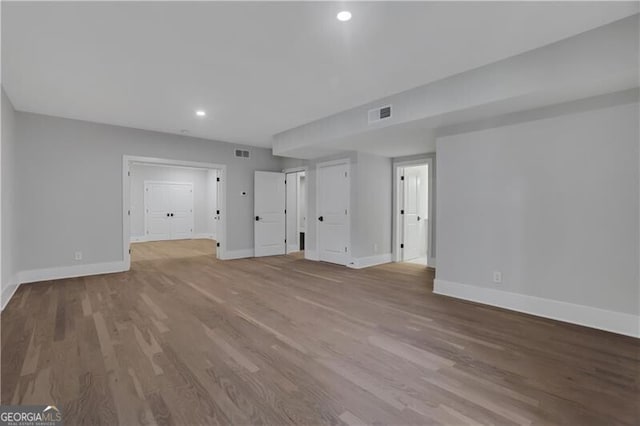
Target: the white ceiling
(258, 68)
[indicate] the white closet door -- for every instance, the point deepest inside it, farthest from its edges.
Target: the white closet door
(168, 210)
(333, 213)
(157, 213)
(181, 201)
(269, 205)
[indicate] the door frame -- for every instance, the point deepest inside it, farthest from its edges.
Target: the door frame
(128, 160)
(306, 204)
(163, 182)
(342, 161)
(397, 203)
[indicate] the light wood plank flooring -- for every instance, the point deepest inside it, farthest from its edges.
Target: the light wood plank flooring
(185, 339)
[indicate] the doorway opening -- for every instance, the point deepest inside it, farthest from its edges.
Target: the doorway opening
(413, 212)
(167, 200)
(280, 206)
(296, 211)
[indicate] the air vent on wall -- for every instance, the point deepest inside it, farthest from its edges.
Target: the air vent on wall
(242, 153)
(379, 114)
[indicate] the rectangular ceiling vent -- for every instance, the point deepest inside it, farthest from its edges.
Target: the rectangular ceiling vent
(379, 114)
(242, 153)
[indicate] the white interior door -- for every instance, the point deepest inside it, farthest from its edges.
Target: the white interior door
(157, 212)
(415, 212)
(168, 211)
(292, 212)
(333, 213)
(269, 206)
(412, 237)
(181, 202)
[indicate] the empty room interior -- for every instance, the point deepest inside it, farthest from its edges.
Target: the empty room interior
(309, 213)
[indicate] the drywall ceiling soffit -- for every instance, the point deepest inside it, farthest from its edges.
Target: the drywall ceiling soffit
(601, 61)
(258, 68)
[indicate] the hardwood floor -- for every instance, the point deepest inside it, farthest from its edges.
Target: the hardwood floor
(185, 339)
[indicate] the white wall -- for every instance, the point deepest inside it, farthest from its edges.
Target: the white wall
(69, 186)
(554, 205)
(9, 236)
(203, 195)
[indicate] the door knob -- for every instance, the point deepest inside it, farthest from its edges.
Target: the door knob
(171, 214)
(418, 218)
(321, 218)
(168, 214)
(257, 218)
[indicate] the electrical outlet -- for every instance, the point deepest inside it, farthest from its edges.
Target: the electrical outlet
(78, 255)
(497, 277)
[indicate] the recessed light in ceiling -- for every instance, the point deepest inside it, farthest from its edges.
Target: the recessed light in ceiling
(200, 113)
(344, 16)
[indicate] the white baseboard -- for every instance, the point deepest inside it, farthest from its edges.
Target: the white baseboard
(365, 262)
(431, 262)
(237, 254)
(311, 254)
(9, 291)
(46, 274)
(204, 236)
(292, 247)
(616, 322)
(143, 238)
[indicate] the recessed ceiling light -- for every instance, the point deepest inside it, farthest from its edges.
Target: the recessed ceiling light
(200, 113)
(344, 16)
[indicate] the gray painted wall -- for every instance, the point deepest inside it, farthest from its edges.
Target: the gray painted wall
(69, 186)
(9, 236)
(202, 194)
(552, 203)
(371, 206)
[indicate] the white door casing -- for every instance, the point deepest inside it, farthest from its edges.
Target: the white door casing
(333, 215)
(292, 212)
(302, 202)
(168, 210)
(269, 206)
